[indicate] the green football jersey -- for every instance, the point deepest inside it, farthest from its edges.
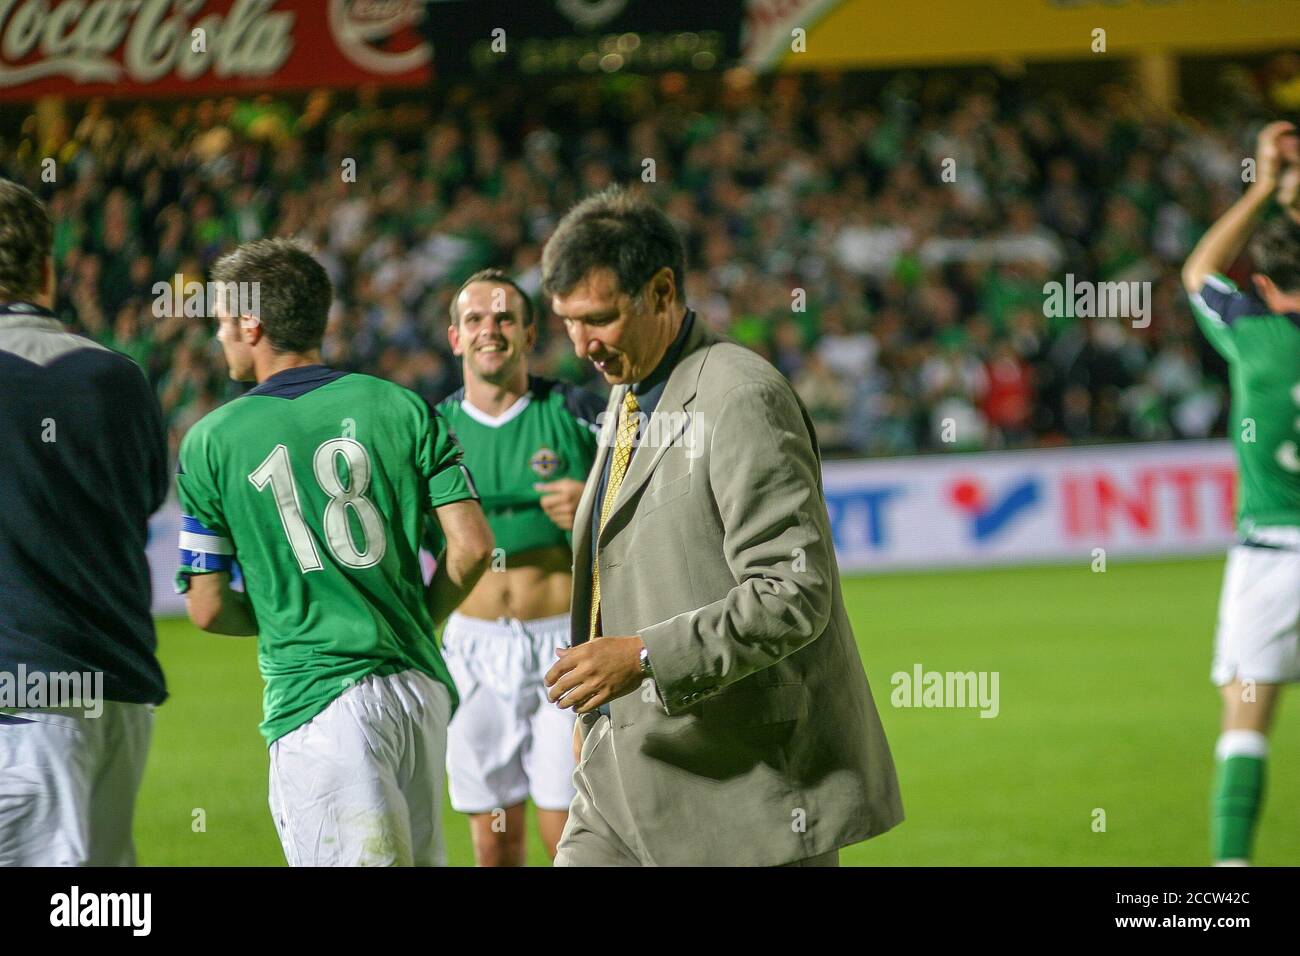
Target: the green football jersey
(318, 483)
(550, 433)
(1262, 350)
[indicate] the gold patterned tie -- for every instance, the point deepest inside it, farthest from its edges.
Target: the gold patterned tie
(627, 429)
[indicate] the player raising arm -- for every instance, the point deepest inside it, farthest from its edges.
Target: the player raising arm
(1258, 333)
(319, 483)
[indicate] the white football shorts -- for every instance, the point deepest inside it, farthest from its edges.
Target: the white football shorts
(68, 784)
(360, 784)
(1258, 636)
(507, 741)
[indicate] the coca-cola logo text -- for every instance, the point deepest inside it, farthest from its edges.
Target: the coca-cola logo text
(77, 39)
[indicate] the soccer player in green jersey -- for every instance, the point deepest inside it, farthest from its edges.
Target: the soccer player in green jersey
(1257, 645)
(318, 483)
(530, 443)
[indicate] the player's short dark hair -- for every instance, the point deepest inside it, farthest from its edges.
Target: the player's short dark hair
(1275, 250)
(613, 229)
(293, 290)
(26, 237)
(500, 277)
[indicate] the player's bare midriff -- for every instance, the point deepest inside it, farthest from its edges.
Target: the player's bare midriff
(533, 584)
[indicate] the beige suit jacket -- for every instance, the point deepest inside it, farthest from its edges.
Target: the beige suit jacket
(760, 744)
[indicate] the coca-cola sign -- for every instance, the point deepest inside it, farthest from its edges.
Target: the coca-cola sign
(134, 47)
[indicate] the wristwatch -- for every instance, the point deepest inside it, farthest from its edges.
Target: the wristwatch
(646, 669)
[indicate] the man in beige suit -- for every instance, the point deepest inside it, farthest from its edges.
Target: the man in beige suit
(726, 718)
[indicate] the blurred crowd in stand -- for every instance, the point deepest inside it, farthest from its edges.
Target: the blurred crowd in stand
(884, 240)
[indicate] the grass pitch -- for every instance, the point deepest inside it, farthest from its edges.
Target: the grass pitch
(1106, 718)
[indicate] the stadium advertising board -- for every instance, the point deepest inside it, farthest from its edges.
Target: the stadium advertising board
(768, 34)
(1042, 505)
(557, 37)
(165, 47)
(993, 508)
(859, 33)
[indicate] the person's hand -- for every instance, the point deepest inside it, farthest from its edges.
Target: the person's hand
(577, 742)
(560, 500)
(595, 672)
(1274, 149)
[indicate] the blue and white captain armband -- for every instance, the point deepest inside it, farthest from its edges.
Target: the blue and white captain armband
(203, 551)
